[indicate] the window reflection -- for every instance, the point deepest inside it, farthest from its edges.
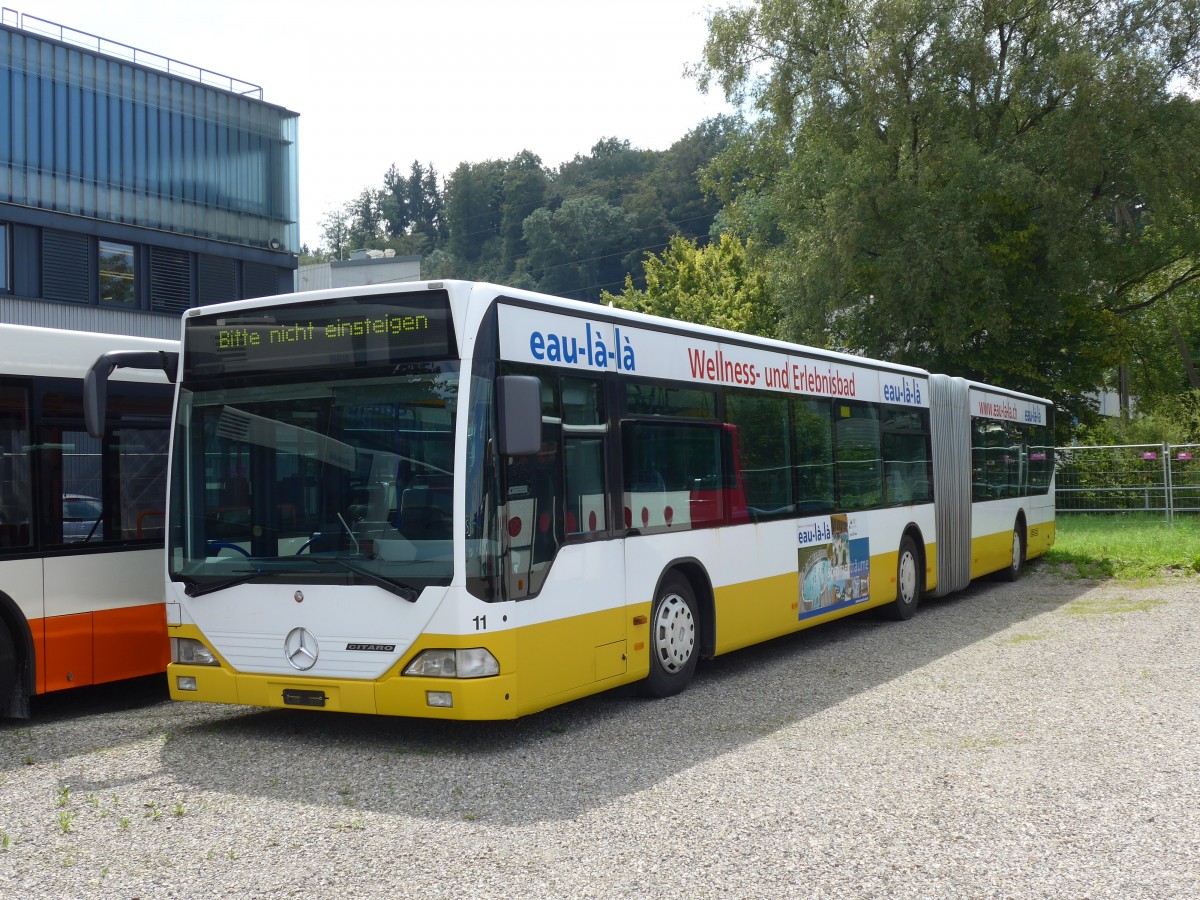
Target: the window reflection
(117, 274)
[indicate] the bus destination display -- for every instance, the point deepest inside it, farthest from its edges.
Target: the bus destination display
(370, 332)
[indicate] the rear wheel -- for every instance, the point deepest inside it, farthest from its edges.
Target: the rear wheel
(1016, 561)
(673, 638)
(908, 582)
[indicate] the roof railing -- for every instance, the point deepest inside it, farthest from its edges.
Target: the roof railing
(67, 35)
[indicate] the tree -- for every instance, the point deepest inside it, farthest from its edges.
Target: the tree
(473, 198)
(579, 248)
(393, 203)
(718, 285)
(983, 189)
(523, 188)
(424, 204)
(365, 219)
(335, 232)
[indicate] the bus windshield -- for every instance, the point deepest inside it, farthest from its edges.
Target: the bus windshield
(338, 480)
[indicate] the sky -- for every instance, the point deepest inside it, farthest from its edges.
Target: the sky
(443, 82)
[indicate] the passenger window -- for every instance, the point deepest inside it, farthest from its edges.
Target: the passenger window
(906, 468)
(674, 476)
(992, 458)
(906, 460)
(765, 452)
(105, 491)
(646, 399)
(812, 431)
(859, 473)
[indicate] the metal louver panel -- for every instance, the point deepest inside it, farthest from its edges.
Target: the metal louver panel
(217, 280)
(170, 280)
(66, 268)
(260, 280)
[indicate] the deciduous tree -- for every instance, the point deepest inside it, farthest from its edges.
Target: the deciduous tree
(983, 188)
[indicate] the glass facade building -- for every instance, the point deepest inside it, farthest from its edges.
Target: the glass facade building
(127, 188)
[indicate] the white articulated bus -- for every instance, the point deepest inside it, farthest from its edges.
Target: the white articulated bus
(466, 501)
(81, 518)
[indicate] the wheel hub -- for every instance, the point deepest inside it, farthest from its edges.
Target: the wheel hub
(674, 633)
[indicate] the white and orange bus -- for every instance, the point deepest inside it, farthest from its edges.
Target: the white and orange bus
(460, 500)
(81, 518)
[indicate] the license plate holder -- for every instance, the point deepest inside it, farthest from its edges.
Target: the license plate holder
(293, 697)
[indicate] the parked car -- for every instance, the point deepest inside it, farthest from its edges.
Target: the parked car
(81, 518)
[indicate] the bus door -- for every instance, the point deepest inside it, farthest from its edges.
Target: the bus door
(565, 565)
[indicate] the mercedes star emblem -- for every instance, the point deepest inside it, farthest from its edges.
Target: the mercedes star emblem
(301, 649)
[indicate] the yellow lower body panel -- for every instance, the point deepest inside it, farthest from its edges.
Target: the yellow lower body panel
(1041, 538)
(395, 694)
(993, 552)
(542, 665)
(767, 608)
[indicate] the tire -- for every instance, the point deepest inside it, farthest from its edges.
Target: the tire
(1017, 561)
(908, 582)
(674, 644)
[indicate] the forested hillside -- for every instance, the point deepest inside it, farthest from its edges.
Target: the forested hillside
(574, 230)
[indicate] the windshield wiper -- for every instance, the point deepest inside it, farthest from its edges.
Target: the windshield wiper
(399, 590)
(194, 588)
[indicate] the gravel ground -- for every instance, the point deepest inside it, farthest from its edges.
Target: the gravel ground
(1029, 740)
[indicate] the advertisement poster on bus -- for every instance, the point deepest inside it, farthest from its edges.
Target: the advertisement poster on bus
(545, 338)
(834, 562)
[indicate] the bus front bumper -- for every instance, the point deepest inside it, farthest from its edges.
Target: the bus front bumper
(487, 698)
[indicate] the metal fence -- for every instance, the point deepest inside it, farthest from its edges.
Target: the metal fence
(1157, 478)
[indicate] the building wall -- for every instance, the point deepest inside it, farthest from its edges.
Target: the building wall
(128, 194)
(85, 134)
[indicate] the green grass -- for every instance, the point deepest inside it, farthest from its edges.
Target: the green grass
(1126, 546)
(1109, 606)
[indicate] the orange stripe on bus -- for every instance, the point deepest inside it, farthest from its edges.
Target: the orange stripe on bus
(102, 646)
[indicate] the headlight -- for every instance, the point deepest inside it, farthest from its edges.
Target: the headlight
(473, 663)
(192, 653)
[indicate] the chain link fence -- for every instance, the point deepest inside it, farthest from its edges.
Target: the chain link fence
(1154, 478)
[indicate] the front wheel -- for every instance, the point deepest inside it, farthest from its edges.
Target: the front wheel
(1016, 561)
(908, 582)
(673, 638)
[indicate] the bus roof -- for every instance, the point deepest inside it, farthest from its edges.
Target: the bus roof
(59, 353)
(463, 289)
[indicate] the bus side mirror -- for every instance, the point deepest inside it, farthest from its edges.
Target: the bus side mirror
(95, 382)
(95, 397)
(519, 408)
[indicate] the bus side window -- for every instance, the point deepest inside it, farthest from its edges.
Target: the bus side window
(857, 449)
(675, 476)
(765, 450)
(906, 457)
(812, 436)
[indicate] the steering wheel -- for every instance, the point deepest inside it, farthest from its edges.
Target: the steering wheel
(308, 543)
(217, 546)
